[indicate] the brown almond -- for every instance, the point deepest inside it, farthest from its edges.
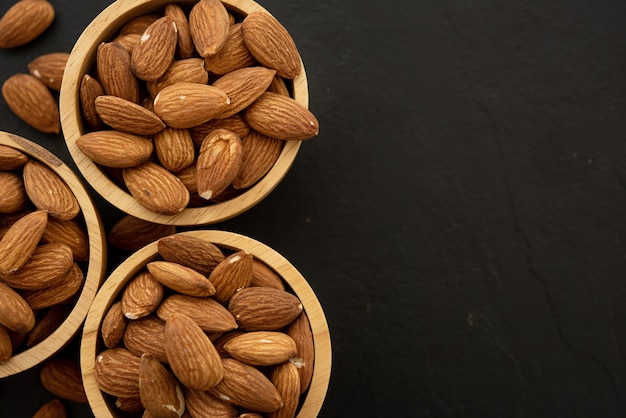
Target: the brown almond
(264, 308)
(209, 24)
(250, 415)
(235, 124)
(192, 252)
(59, 292)
(281, 117)
(155, 51)
(129, 404)
(61, 377)
(156, 189)
(130, 233)
(233, 55)
(235, 387)
(259, 154)
(264, 276)
(141, 296)
(115, 149)
(183, 105)
(261, 348)
(25, 21)
(218, 162)
(243, 87)
(117, 372)
(12, 193)
(51, 409)
(188, 177)
(210, 315)
(203, 404)
(279, 86)
(232, 274)
(271, 44)
(113, 325)
(115, 73)
(47, 322)
(146, 335)
(15, 314)
(174, 148)
(49, 192)
(11, 158)
(6, 347)
(49, 68)
(128, 41)
(20, 241)
(181, 279)
(89, 90)
(300, 331)
(70, 233)
(31, 101)
(191, 354)
(190, 70)
(286, 379)
(223, 339)
(48, 266)
(139, 24)
(184, 46)
(159, 390)
(127, 116)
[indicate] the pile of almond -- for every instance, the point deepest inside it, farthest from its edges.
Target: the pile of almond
(192, 105)
(42, 246)
(205, 331)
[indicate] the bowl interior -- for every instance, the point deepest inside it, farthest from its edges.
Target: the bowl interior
(80, 62)
(90, 343)
(95, 268)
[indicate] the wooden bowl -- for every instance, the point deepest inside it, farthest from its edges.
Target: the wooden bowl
(82, 59)
(91, 342)
(30, 357)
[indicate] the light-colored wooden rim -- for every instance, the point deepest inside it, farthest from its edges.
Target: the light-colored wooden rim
(95, 270)
(82, 57)
(125, 271)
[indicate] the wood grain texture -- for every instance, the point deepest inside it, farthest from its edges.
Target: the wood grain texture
(124, 272)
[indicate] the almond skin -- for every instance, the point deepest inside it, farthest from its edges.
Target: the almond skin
(189, 70)
(206, 312)
(31, 101)
(271, 44)
(191, 252)
(115, 149)
(47, 323)
(264, 276)
(259, 154)
(233, 55)
(25, 21)
(113, 325)
(300, 331)
(115, 72)
(174, 148)
(203, 404)
(6, 347)
(47, 266)
(159, 390)
(209, 24)
(181, 279)
(184, 47)
(51, 409)
(61, 377)
(146, 335)
(90, 89)
(184, 105)
(11, 158)
(130, 233)
(49, 68)
(127, 116)
(235, 124)
(15, 314)
(48, 191)
(286, 379)
(156, 189)
(218, 162)
(155, 51)
(70, 233)
(12, 193)
(141, 296)
(139, 24)
(20, 241)
(243, 87)
(232, 274)
(117, 372)
(57, 293)
(262, 348)
(264, 308)
(281, 117)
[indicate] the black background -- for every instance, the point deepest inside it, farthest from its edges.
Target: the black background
(461, 214)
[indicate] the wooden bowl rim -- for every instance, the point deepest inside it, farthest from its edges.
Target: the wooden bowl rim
(114, 284)
(35, 355)
(81, 59)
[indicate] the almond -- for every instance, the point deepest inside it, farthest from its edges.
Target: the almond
(128, 41)
(130, 233)
(48, 191)
(159, 391)
(129, 404)
(232, 274)
(189, 179)
(174, 148)
(209, 24)
(47, 266)
(300, 331)
(11, 158)
(281, 117)
(47, 322)
(15, 314)
(70, 233)
(183, 105)
(62, 378)
(59, 292)
(20, 241)
(190, 353)
(156, 189)
(218, 162)
(181, 279)
(25, 21)
(264, 308)
(202, 404)
(264, 276)
(139, 24)
(115, 149)
(223, 339)
(233, 55)
(141, 296)
(89, 90)
(286, 379)
(236, 386)
(279, 86)
(243, 87)
(206, 312)
(31, 100)
(117, 372)
(113, 325)
(261, 348)
(192, 252)
(271, 44)
(155, 51)
(146, 335)
(127, 116)
(259, 154)
(49, 68)
(189, 70)
(114, 69)
(184, 47)
(51, 409)
(12, 193)
(235, 124)
(6, 347)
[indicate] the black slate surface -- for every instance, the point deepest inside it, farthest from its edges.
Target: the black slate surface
(461, 214)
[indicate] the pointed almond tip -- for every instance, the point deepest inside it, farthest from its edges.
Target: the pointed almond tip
(207, 195)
